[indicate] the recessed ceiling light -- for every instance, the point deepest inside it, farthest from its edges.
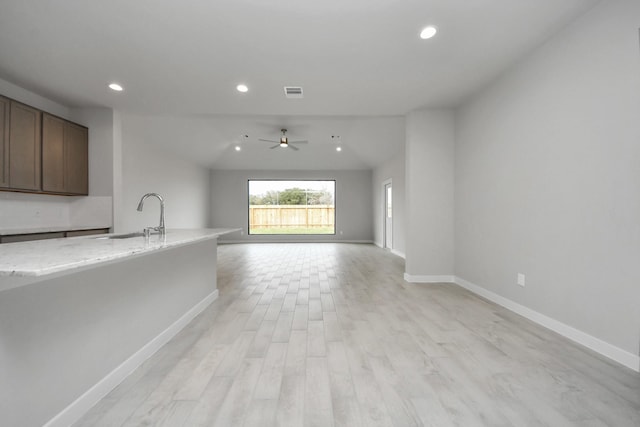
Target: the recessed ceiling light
(116, 87)
(428, 32)
(242, 88)
(238, 148)
(338, 148)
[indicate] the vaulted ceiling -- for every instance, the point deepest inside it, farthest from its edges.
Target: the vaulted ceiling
(361, 64)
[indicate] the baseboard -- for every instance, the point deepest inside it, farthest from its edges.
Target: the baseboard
(235, 242)
(610, 351)
(393, 251)
(81, 405)
(411, 278)
(398, 253)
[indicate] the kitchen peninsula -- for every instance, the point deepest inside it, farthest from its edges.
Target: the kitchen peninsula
(78, 315)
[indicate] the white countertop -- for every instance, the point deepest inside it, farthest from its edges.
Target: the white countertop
(42, 257)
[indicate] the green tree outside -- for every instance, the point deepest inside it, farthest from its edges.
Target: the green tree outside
(292, 196)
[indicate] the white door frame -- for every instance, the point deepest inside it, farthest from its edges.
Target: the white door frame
(387, 223)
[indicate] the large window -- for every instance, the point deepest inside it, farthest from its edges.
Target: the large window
(292, 207)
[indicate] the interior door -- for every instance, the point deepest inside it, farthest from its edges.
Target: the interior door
(388, 216)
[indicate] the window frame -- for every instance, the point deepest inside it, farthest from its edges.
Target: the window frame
(335, 206)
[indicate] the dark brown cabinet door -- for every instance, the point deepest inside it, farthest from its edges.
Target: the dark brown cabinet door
(65, 157)
(76, 156)
(24, 147)
(52, 154)
(5, 105)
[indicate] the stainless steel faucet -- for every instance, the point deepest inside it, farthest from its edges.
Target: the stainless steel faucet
(160, 228)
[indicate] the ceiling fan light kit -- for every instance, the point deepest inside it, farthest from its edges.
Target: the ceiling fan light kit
(284, 141)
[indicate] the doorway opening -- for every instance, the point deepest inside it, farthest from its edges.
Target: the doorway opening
(388, 215)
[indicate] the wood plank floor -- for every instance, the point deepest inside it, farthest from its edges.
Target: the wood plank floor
(330, 335)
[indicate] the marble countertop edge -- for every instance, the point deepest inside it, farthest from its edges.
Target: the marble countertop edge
(41, 258)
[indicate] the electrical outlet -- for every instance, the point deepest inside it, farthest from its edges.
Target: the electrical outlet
(521, 280)
(341, 232)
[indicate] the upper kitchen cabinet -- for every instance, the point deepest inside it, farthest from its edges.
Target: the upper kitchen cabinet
(5, 104)
(41, 153)
(24, 147)
(65, 156)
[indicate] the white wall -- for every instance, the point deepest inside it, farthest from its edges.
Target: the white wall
(149, 169)
(118, 186)
(548, 179)
(33, 99)
(394, 170)
(24, 213)
(354, 219)
(429, 154)
(100, 122)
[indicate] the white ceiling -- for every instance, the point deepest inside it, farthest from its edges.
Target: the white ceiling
(180, 61)
(365, 141)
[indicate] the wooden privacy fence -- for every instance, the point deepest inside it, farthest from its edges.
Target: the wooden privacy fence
(284, 216)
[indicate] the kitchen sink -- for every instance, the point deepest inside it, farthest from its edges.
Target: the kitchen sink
(121, 236)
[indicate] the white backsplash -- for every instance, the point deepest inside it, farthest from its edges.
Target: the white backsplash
(91, 211)
(23, 211)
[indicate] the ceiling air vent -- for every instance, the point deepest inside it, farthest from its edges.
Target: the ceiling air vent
(293, 91)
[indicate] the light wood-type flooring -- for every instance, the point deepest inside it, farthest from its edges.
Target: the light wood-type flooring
(330, 335)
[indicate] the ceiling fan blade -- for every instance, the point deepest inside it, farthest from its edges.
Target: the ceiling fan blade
(293, 147)
(275, 146)
(268, 140)
(304, 141)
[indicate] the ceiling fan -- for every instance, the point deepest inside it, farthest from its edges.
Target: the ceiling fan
(284, 141)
